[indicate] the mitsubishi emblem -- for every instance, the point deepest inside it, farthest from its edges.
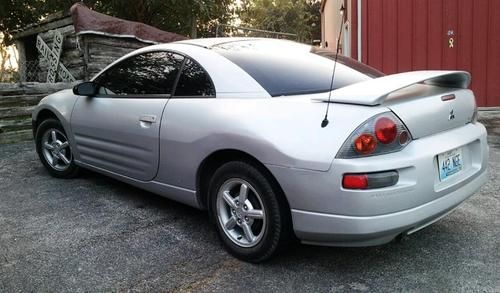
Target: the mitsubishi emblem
(451, 116)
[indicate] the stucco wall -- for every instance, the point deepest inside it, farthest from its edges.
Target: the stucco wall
(331, 22)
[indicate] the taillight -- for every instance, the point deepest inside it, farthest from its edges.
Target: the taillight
(370, 180)
(355, 181)
(381, 134)
(365, 144)
(386, 130)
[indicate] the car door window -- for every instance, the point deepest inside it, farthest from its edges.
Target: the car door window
(152, 73)
(194, 81)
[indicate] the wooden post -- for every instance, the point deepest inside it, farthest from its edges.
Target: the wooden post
(21, 62)
(86, 57)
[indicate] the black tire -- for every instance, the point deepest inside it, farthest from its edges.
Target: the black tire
(72, 169)
(277, 225)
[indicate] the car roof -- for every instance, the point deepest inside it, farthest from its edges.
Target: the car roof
(214, 42)
(211, 42)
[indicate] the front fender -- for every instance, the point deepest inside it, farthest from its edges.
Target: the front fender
(61, 105)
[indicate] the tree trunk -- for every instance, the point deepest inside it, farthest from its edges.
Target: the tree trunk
(194, 27)
(3, 60)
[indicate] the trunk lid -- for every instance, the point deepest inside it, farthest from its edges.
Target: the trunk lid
(427, 102)
(427, 110)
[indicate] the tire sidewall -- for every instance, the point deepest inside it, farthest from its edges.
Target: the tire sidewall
(72, 170)
(273, 229)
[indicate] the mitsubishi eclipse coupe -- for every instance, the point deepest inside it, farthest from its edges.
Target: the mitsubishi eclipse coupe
(256, 132)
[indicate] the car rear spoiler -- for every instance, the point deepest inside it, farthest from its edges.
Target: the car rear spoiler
(374, 91)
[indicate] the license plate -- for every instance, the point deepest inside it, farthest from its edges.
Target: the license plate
(450, 163)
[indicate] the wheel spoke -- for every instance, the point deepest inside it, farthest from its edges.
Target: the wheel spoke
(230, 223)
(54, 160)
(64, 159)
(48, 146)
(255, 214)
(229, 199)
(243, 193)
(53, 135)
(64, 145)
(248, 232)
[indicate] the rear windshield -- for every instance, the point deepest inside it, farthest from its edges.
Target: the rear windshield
(286, 68)
(347, 61)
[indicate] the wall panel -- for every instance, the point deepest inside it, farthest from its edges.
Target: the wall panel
(408, 35)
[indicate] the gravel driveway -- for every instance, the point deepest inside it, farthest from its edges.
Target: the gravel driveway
(97, 234)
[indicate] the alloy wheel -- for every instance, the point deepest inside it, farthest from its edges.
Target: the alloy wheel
(56, 149)
(240, 212)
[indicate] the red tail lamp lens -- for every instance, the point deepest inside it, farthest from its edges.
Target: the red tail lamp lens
(355, 181)
(370, 180)
(365, 144)
(386, 130)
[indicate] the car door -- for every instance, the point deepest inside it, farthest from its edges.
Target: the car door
(181, 135)
(118, 130)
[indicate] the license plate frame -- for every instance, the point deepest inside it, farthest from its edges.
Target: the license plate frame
(450, 163)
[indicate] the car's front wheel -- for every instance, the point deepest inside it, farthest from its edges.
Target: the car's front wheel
(247, 211)
(54, 149)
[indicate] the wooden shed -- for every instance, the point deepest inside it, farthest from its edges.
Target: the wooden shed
(78, 44)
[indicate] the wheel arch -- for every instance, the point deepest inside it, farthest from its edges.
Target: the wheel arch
(216, 159)
(44, 112)
(58, 105)
(39, 116)
(42, 115)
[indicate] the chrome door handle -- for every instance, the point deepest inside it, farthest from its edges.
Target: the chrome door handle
(148, 118)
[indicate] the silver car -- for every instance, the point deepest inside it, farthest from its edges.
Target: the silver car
(255, 132)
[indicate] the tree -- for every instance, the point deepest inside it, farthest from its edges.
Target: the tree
(4, 56)
(187, 17)
(314, 9)
(7, 71)
(301, 17)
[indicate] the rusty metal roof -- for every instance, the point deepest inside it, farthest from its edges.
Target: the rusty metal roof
(88, 21)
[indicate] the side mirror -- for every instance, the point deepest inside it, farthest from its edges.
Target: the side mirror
(88, 88)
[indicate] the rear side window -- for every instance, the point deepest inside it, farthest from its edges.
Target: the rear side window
(150, 73)
(284, 68)
(194, 81)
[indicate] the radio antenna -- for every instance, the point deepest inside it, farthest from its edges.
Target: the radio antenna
(325, 121)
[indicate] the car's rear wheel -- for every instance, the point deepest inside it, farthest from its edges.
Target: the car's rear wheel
(54, 149)
(247, 212)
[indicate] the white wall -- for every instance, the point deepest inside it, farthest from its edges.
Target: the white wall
(330, 23)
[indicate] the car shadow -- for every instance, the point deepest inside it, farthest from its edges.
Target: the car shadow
(435, 241)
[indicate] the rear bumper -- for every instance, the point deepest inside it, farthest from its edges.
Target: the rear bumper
(339, 230)
(325, 213)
